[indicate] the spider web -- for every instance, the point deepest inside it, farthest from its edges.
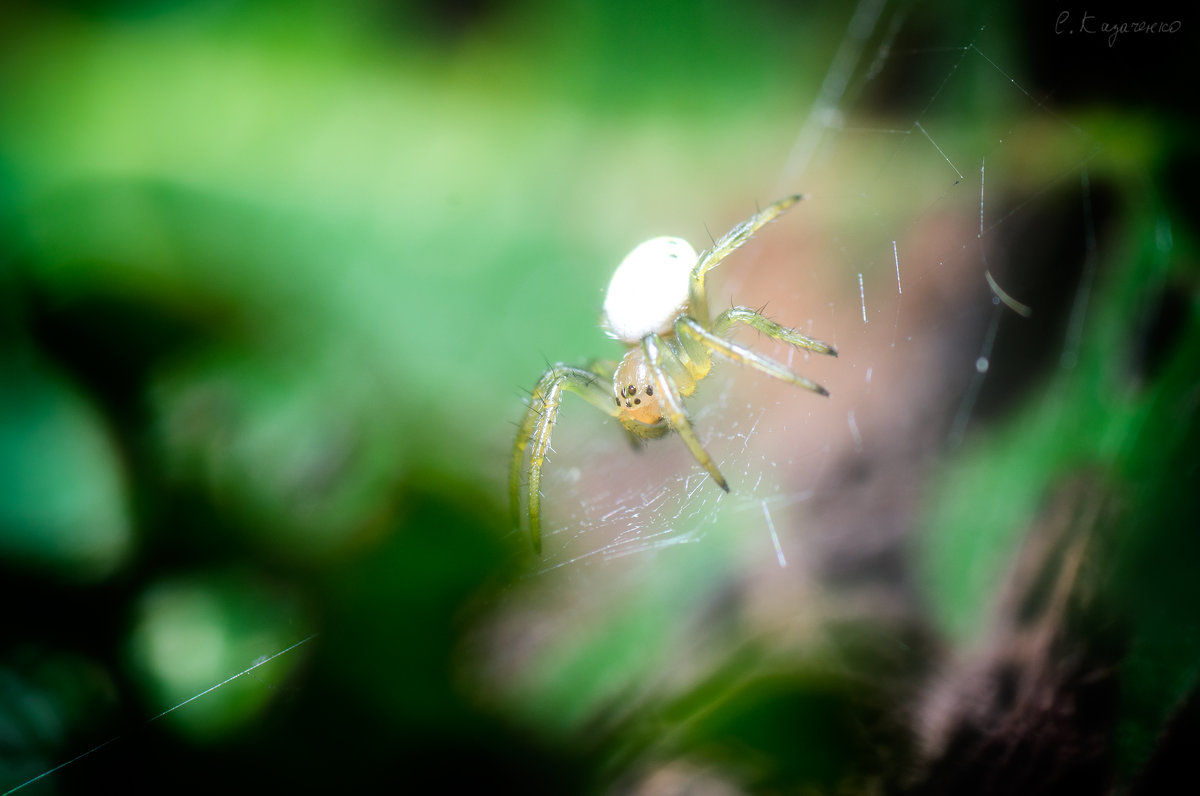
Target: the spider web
(656, 497)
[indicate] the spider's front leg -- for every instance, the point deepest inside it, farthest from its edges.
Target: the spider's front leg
(731, 240)
(660, 360)
(538, 424)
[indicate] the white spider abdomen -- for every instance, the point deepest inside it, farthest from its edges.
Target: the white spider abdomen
(649, 289)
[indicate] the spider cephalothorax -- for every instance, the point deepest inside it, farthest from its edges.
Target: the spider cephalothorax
(656, 304)
(633, 385)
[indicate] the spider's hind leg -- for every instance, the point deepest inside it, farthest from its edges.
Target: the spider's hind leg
(538, 424)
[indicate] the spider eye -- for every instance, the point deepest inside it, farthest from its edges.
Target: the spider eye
(649, 390)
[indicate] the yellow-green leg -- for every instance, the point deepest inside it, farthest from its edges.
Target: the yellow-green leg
(535, 430)
(689, 328)
(768, 327)
(661, 360)
(697, 296)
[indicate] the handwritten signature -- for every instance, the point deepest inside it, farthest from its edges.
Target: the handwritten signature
(1090, 25)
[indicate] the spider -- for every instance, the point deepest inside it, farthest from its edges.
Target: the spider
(657, 306)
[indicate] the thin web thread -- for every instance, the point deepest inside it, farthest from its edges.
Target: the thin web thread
(153, 719)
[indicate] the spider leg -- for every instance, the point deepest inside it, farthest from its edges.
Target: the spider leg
(535, 430)
(661, 360)
(770, 328)
(731, 240)
(689, 327)
(695, 357)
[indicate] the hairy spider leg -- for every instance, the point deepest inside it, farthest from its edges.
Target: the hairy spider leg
(770, 328)
(731, 240)
(677, 364)
(537, 426)
(665, 366)
(695, 345)
(689, 329)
